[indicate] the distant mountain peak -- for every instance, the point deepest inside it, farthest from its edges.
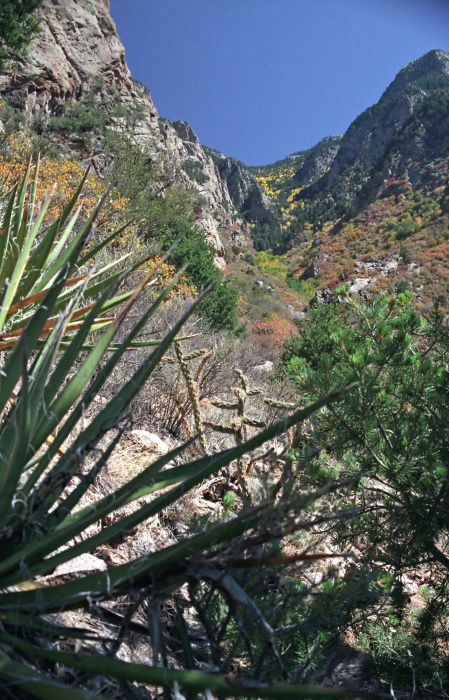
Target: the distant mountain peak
(435, 61)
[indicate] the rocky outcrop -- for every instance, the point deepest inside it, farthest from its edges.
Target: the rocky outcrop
(368, 137)
(391, 140)
(432, 63)
(322, 296)
(76, 51)
(311, 272)
(318, 160)
(245, 192)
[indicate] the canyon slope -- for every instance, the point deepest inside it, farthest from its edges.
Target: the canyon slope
(369, 207)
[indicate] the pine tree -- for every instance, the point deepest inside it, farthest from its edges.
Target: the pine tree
(18, 25)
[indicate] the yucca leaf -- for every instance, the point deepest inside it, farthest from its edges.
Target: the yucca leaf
(14, 449)
(67, 399)
(32, 193)
(6, 226)
(189, 474)
(94, 289)
(16, 265)
(129, 390)
(21, 195)
(91, 254)
(37, 683)
(196, 681)
(34, 298)
(72, 593)
(42, 255)
(72, 351)
(102, 375)
(24, 624)
(18, 433)
(11, 371)
(118, 262)
(8, 339)
(187, 652)
(31, 557)
(194, 472)
(66, 213)
(77, 384)
(71, 501)
(66, 254)
(74, 200)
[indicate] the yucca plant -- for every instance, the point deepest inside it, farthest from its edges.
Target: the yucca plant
(47, 312)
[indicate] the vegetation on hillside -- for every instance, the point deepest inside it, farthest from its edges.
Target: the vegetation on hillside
(405, 225)
(58, 432)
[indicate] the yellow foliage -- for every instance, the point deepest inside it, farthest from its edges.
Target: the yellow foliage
(67, 173)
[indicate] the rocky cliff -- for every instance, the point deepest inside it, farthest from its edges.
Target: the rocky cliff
(246, 194)
(78, 58)
(76, 51)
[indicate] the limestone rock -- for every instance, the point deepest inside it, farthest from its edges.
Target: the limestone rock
(318, 159)
(150, 441)
(77, 50)
(360, 283)
(322, 296)
(311, 272)
(85, 563)
(263, 287)
(265, 367)
(246, 194)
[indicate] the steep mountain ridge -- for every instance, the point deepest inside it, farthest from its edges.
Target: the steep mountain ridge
(435, 61)
(370, 136)
(393, 138)
(78, 59)
(377, 216)
(372, 149)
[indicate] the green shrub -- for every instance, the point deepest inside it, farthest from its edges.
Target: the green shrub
(220, 305)
(18, 25)
(79, 119)
(195, 171)
(391, 432)
(315, 335)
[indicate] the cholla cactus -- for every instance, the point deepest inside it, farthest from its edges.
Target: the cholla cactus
(192, 387)
(239, 422)
(238, 427)
(192, 380)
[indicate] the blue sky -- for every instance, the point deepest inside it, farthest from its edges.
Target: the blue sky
(260, 79)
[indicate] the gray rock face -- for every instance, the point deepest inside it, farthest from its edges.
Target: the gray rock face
(369, 135)
(311, 272)
(322, 296)
(436, 61)
(318, 159)
(383, 142)
(77, 50)
(245, 192)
